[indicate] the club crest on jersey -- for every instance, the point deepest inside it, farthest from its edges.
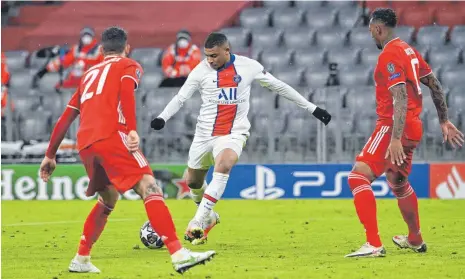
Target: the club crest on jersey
(237, 79)
(391, 68)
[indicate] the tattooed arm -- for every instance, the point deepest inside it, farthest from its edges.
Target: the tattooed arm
(438, 96)
(399, 93)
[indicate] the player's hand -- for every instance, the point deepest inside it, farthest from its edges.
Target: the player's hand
(46, 168)
(322, 115)
(133, 141)
(158, 123)
(396, 152)
(451, 134)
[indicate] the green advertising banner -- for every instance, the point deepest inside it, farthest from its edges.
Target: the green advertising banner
(69, 182)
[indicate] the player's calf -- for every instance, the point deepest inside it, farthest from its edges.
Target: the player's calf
(408, 205)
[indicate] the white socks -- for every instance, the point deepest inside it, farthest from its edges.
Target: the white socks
(213, 193)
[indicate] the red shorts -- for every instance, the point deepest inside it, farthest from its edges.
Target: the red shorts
(374, 151)
(108, 161)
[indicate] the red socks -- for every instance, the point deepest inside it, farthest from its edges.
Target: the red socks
(93, 227)
(162, 222)
(408, 205)
(365, 205)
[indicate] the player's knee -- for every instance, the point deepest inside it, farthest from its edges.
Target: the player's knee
(148, 186)
(399, 185)
(225, 164)
(194, 183)
(358, 181)
(108, 206)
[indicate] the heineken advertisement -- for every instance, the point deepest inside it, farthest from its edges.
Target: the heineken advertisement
(22, 182)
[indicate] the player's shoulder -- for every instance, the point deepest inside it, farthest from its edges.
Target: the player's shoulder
(248, 63)
(127, 62)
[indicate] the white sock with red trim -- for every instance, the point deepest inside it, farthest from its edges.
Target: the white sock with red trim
(213, 193)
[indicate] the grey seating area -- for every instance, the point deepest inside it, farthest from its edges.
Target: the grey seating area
(296, 41)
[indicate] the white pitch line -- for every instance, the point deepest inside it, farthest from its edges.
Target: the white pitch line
(59, 223)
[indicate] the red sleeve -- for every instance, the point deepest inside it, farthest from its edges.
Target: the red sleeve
(392, 69)
(424, 67)
(128, 103)
(75, 102)
(134, 72)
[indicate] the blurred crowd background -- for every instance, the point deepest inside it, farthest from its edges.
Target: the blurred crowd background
(321, 48)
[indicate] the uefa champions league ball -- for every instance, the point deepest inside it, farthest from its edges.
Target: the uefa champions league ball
(149, 237)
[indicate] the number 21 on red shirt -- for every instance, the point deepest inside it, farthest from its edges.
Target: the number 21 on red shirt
(89, 80)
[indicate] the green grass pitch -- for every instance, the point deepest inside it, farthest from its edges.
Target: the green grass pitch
(282, 239)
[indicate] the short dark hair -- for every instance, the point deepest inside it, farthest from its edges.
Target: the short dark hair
(385, 15)
(215, 39)
(114, 40)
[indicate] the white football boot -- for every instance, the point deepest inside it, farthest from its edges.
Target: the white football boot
(402, 242)
(368, 250)
(82, 264)
(197, 232)
(194, 231)
(185, 259)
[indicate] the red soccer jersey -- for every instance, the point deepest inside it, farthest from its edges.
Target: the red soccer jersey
(98, 99)
(399, 63)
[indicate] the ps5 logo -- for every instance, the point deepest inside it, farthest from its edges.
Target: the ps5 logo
(265, 185)
(264, 188)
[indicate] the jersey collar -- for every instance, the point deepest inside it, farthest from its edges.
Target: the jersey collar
(396, 38)
(111, 56)
(229, 63)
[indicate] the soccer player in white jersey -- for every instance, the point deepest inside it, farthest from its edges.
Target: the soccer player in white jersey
(223, 80)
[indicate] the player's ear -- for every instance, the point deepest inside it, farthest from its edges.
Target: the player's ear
(127, 49)
(100, 48)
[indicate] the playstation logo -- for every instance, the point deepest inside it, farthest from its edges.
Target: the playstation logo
(264, 188)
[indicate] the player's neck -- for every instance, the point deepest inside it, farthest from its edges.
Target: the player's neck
(389, 38)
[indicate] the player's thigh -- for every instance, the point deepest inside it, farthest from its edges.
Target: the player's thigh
(404, 169)
(196, 177)
(200, 153)
(98, 179)
(124, 169)
(374, 152)
(227, 150)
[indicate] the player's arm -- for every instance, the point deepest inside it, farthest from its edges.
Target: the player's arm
(267, 80)
(399, 94)
(437, 93)
(59, 131)
(187, 90)
(129, 83)
(449, 131)
(393, 70)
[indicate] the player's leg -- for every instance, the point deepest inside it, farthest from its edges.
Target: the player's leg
(407, 201)
(162, 222)
(224, 162)
(131, 171)
(97, 218)
(226, 152)
(370, 164)
(195, 179)
(157, 211)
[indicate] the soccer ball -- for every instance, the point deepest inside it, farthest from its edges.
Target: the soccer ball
(149, 237)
